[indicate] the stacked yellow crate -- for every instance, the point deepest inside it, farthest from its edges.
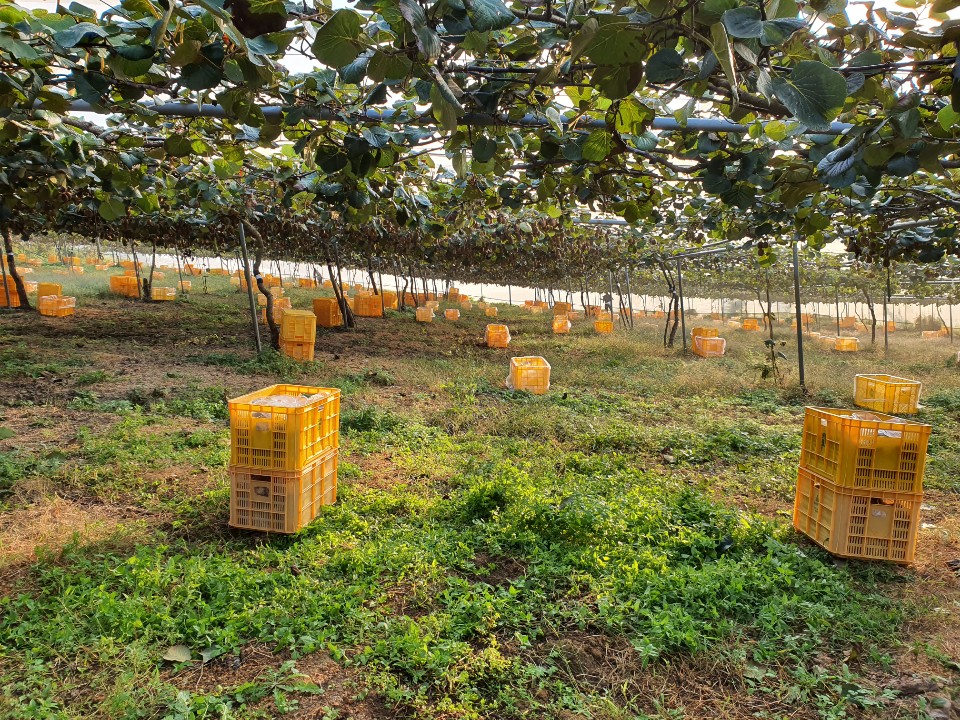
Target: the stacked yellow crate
(298, 334)
(284, 446)
(860, 483)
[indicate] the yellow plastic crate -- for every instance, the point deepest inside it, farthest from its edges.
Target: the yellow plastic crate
(52, 259)
(847, 344)
(162, 293)
(813, 335)
(299, 326)
(865, 450)
(561, 324)
(573, 316)
(185, 285)
(368, 306)
(562, 308)
(930, 334)
(306, 283)
(390, 301)
(866, 525)
(891, 326)
(535, 309)
(328, 312)
(751, 324)
(451, 314)
(481, 305)
(716, 316)
(848, 322)
(704, 332)
(424, 314)
(157, 275)
(271, 281)
(102, 267)
(529, 373)
(465, 304)
(46, 288)
(603, 327)
(453, 294)
(280, 305)
(125, 285)
(269, 430)
(300, 351)
(30, 286)
(56, 305)
(887, 393)
(282, 502)
(77, 269)
(432, 304)
(709, 346)
(490, 311)
(497, 336)
(327, 285)
(827, 341)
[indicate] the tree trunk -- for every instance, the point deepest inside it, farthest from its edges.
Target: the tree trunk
(873, 317)
(337, 282)
(265, 291)
(373, 280)
(14, 273)
(148, 282)
(258, 258)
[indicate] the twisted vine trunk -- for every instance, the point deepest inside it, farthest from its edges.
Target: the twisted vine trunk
(258, 258)
(11, 265)
(873, 317)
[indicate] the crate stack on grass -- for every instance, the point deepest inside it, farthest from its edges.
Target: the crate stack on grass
(279, 305)
(367, 305)
(51, 301)
(284, 446)
(125, 285)
(706, 342)
(860, 482)
(8, 293)
(298, 334)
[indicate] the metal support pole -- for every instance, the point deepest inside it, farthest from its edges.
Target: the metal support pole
(769, 309)
(253, 304)
(951, 321)
(796, 297)
(683, 320)
(837, 296)
(509, 295)
(630, 299)
(886, 299)
(610, 280)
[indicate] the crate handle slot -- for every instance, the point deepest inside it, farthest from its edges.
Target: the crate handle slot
(261, 485)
